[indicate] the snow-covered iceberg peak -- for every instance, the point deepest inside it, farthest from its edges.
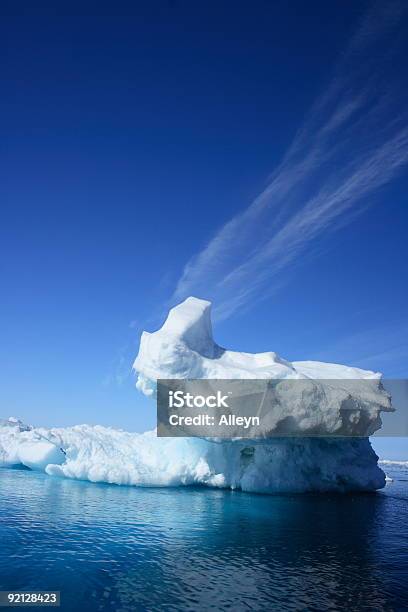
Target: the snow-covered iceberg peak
(190, 321)
(348, 402)
(184, 348)
(179, 347)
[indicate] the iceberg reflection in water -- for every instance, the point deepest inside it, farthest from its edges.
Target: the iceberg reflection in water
(129, 548)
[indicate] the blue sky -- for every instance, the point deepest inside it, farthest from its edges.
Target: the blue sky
(249, 153)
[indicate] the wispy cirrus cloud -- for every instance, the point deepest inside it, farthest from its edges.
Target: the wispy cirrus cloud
(353, 141)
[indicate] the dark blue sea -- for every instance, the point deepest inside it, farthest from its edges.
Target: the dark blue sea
(123, 548)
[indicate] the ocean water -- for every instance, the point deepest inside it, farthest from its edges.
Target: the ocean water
(123, 548)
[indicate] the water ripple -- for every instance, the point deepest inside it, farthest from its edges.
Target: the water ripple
(126, 548)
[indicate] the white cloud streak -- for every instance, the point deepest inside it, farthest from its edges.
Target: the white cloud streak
(353, 141)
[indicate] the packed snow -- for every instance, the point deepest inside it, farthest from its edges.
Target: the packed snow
(184, 348)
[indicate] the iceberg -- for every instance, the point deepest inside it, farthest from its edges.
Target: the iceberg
(103, 454)
(184, 348)
(327, 399)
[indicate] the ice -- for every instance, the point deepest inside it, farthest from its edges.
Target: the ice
(349, 402)
(101, 454)
(23, 445)
(182, 348)
(403, 464)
